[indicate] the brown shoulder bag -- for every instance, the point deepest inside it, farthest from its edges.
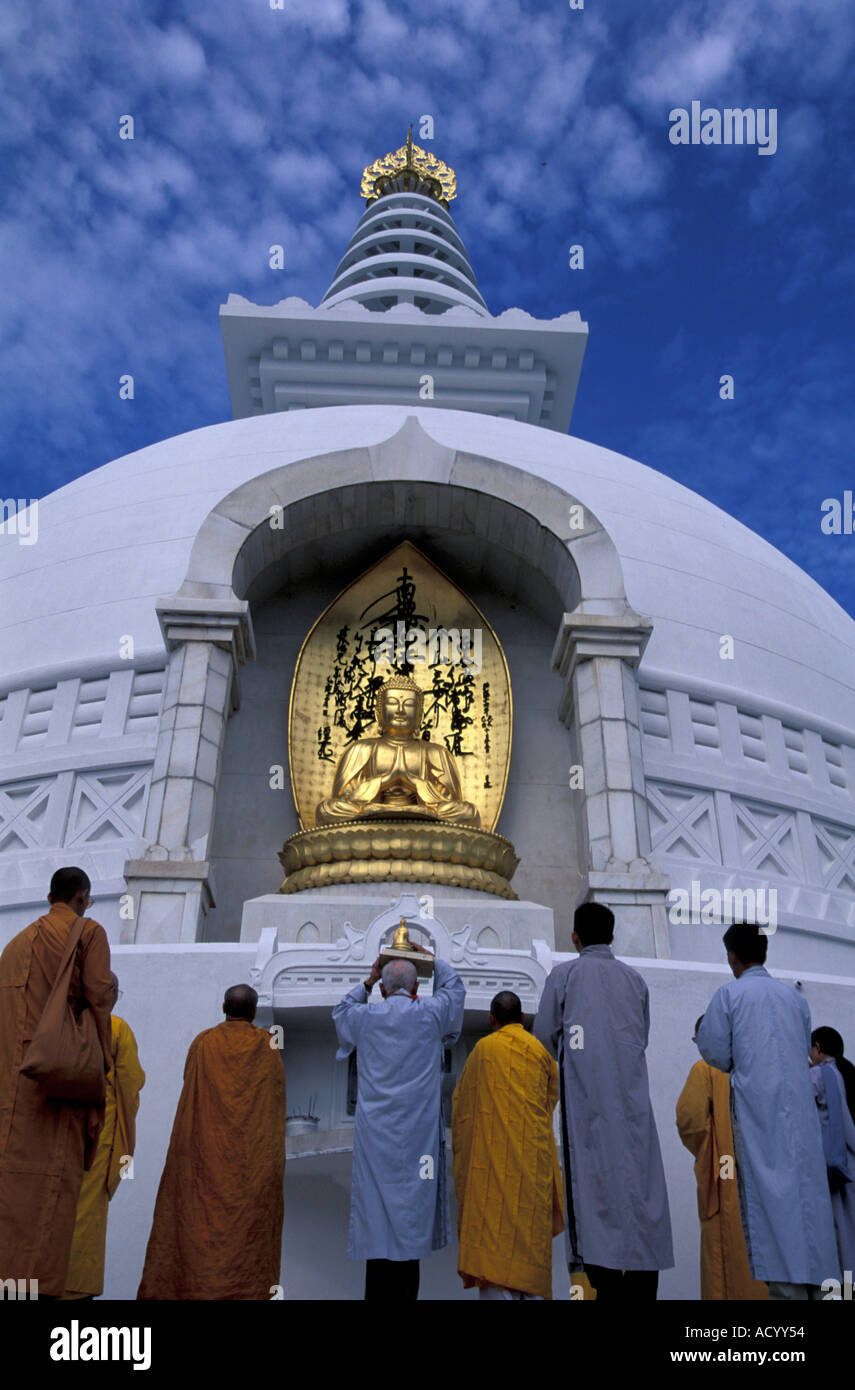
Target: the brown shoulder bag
(65, 1055)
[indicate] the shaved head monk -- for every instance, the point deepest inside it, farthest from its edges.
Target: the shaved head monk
(217, 1229)
(45, 1143)
(505, 1161)
(399, 1194)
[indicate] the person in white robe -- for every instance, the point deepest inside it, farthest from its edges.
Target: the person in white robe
(758, 1029)
(594, 1016)
(399, 1192)
(828, 1074)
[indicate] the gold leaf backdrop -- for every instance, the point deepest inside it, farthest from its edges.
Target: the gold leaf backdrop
(338, 674)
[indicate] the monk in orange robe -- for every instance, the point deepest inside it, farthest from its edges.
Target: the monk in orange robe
(506, 1173)
(217, 1229)
(703, 1120)
(45, 1144)
(116, 1143)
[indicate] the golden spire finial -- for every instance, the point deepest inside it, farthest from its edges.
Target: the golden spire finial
(409, 170)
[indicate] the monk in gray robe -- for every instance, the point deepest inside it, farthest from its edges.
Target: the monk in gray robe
(758, 1029)
(594, 1017)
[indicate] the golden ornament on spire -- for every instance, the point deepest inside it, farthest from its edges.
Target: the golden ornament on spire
(409, 170)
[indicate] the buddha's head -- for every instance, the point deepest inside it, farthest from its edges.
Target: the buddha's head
(398, 706)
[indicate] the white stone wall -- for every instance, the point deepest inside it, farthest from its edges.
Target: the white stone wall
(742, 797)
(75, 771)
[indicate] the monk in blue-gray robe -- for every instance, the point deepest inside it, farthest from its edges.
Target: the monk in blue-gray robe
(594, 1017)
(758, 1029)
(399, 1193)
(837, 1127)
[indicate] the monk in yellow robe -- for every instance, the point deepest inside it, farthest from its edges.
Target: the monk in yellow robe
(125, 1080)
(45, 1144)
(217, 1229)
(703, 1120)
(509, 1187)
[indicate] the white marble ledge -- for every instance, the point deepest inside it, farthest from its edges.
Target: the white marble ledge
(307, 977)
(323, 1141)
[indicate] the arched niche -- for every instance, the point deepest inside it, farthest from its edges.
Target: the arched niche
(511, 540)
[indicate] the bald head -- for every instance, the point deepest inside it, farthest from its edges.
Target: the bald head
(506, 1008)
(115, 982)
(399, 977)
(240, 1001)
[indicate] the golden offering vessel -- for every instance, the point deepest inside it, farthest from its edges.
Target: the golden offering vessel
(401, 949)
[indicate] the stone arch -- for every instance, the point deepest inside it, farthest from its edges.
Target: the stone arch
(537, 521)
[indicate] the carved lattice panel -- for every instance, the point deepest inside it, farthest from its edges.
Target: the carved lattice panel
(23, 808)
(107, 805)
(768, 839)
(836, 846)
(683, 822)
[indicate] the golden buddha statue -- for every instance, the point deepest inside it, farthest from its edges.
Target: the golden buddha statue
(395, 772)
(401, 939)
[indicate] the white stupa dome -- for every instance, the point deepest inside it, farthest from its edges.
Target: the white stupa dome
(117, 538)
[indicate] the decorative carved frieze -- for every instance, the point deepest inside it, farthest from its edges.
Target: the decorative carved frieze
(97, 807)
(676, 724)
(744, 834)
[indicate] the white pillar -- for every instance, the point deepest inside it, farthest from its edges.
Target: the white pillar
(596, 654)
(172, 886)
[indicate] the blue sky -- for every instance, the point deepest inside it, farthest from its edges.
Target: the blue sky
(252, 127)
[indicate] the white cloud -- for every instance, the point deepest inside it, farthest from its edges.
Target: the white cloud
(310, 179)
(686, 67)
(325, 18)
(380, 28)
(179, 56)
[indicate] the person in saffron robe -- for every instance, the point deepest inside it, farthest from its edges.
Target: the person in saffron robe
(399, 1191)
(758, 1029)
(594, 1016)
(125, 1079)
(217, 1228)
(506, 1171)
(45, 1144)
(833, 1079)
(703, 1122)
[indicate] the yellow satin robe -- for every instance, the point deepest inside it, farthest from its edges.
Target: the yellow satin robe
(125, 1080)
(509, 1188)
